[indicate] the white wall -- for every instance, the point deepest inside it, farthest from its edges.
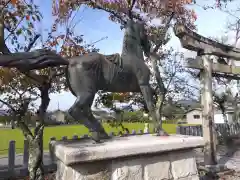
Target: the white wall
(190, 117)
(218, 117)
(230, 118)
(60, 117)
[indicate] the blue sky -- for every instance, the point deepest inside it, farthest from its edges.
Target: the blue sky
(95, 25)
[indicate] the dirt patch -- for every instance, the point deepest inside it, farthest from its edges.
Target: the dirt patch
(50, 176)
(224, 175)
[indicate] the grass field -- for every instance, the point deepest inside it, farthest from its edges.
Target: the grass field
(7, 135)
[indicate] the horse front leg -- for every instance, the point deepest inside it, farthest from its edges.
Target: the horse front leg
(81, 111)
(99, 132)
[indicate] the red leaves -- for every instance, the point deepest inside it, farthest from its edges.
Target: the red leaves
(14, 2)
(62, 8)
(121, 97)
(27, 17)
(187, 1)
(194, 15)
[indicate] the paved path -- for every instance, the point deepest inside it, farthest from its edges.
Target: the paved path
(19, 160)
(228, 156)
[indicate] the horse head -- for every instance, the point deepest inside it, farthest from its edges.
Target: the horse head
(137, 30)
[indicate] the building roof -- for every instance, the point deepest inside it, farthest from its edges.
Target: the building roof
(228, 110)
(189, 103)
(193, 109)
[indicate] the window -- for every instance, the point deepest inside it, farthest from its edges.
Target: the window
(196, 116)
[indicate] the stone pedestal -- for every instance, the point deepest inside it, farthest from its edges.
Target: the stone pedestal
(141, 157)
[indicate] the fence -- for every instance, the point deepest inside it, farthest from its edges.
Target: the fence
(223, 131)
(20, 169)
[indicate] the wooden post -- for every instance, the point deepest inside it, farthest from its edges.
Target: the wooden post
(11, 157)
(25, 153)
(51, 149)
(207, 113)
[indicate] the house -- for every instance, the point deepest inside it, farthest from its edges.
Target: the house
(5, 118)
(57, 116)
(146, 115)
(194, 116)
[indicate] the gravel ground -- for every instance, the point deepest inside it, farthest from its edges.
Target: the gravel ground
(47, 177)
(233, 175)
(228, 156)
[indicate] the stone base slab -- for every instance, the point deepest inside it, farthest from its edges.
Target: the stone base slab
(145, 157)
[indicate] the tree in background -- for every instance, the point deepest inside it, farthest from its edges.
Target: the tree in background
(17, 25)
(18, 20)
(229, 84)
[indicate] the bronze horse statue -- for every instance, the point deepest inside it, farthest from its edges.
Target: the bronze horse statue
(112, 73)
(89, 73)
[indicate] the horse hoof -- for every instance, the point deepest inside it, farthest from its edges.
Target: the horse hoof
(103, 135)
(98, 136)
(97, 141)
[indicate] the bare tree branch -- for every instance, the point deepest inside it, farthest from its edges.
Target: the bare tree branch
(165, 29)
(11, 31)
(130, 9)
(29, 47)
(98, 6)
(5, 5)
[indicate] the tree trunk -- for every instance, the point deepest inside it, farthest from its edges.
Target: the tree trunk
(236, 109)
(36, 169)
(159, 108)
(35, 141)
(3, 47)
(224, 117)
(221, 105)
(161, 86)
(35, 163)
(154, 59)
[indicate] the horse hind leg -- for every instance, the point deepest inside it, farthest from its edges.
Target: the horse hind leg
(98, 133)
(81, 111)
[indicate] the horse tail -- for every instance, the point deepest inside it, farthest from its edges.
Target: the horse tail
(68, 82)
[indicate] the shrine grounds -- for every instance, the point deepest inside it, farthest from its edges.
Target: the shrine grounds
(7, 135)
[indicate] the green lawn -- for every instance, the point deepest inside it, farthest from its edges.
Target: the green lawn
(7, 135)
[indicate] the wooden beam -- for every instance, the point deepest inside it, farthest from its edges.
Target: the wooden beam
(207, 113)
(226, 76)
(216, 67)
(195, 42)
